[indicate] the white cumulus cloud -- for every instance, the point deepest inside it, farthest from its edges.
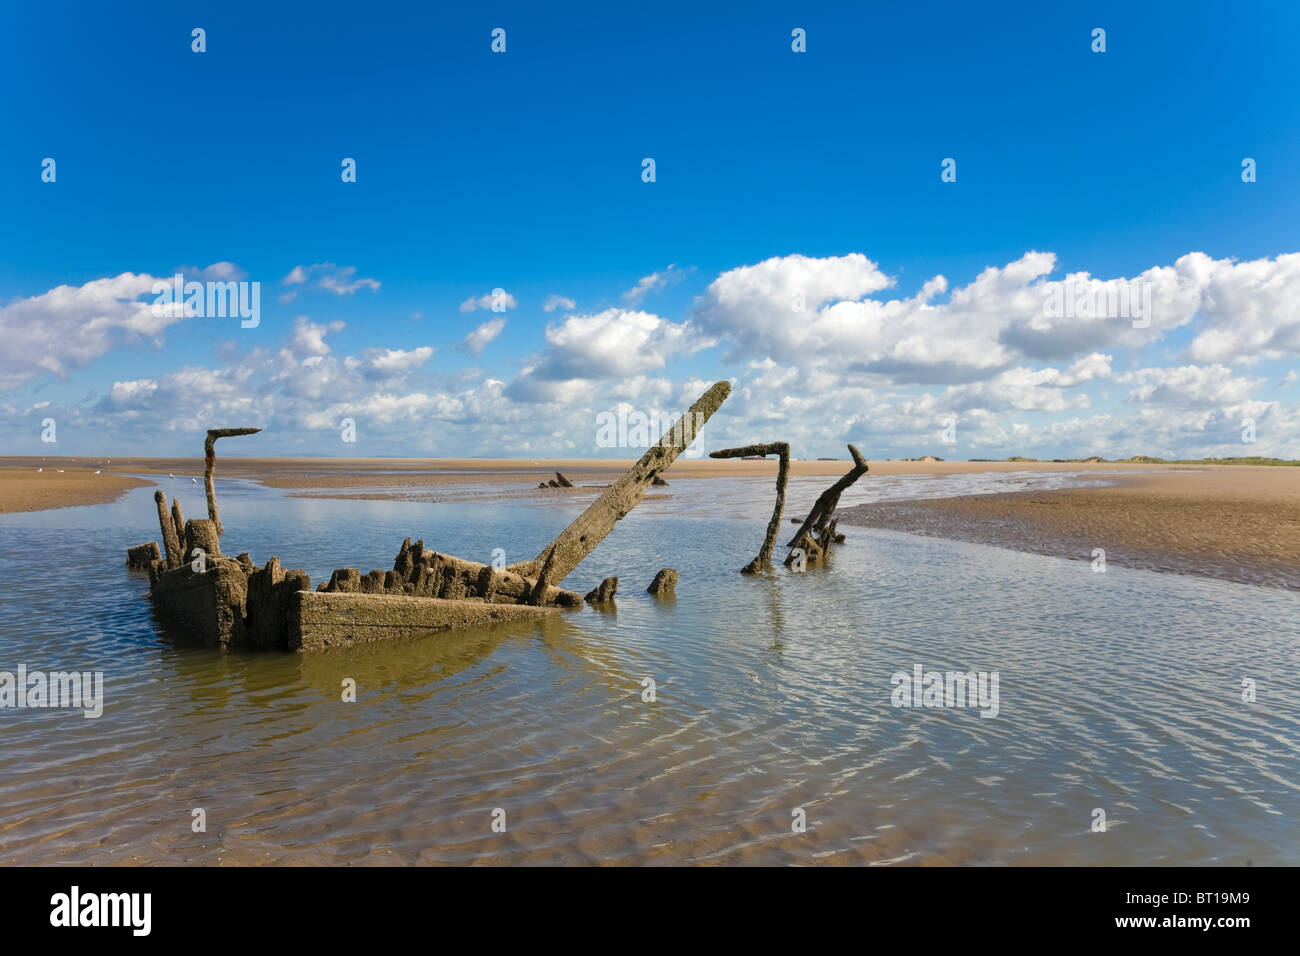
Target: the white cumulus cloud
(478, 339)
(69, 327)
(489, 301)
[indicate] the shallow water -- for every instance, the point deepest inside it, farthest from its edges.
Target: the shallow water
(736, 497)
(1119, 691)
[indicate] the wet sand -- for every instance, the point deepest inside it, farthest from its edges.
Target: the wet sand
(23, 488)
(373, 477)
(1237, 523)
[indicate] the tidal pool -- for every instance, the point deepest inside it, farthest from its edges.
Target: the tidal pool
(772, 702)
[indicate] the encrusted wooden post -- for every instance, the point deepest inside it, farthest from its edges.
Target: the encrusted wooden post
(178, 519)
(171, 542)
(210, 460)
(590, 528)
(819, 521)
(782, 473)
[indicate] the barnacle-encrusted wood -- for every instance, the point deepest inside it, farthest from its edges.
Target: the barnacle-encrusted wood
(817, 532)
(782, 473)
(579, 539)
(178, 519)
(210, 460)
(230, 602)
(171, 540)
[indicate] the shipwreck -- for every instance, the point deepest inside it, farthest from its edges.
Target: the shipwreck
(230, 602)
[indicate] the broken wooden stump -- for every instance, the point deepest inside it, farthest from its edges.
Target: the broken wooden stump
(829, 500)
(563, 482)
(604, 592)
(171, 540)
(210, 605)
(418, 572)
(178, 519)
(580, 538)
(271, 593)
(659, 481)
(210, 461)
(665, 582)
(817, 533)
(142, 556)
(782, 474)
(342, 581)
(201, 535)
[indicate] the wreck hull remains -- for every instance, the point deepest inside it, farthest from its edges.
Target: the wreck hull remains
(318, 619)
(231, 603)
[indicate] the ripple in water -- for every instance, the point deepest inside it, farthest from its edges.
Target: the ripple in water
(1120, 691)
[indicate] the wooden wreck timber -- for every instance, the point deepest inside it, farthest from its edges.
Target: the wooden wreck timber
(817, 532)
(757, 452)
(171, 535)
(209, 462)
(665, 582)
(323, 620)
(232, 603)
(580, 538)
(142, 555)
(604, 592)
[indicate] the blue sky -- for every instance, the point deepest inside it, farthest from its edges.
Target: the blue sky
(522, 171)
